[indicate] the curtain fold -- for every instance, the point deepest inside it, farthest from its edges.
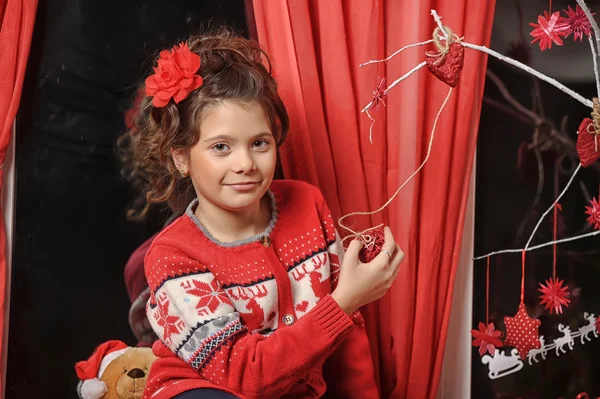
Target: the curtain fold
(316, 47)
(16, 27)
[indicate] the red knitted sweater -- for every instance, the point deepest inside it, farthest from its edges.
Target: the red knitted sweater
(255, 317)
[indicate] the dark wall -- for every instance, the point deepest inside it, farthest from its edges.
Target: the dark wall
(72, 238)
(505, 217)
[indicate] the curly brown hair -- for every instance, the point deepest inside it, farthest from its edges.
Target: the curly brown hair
(233, 68)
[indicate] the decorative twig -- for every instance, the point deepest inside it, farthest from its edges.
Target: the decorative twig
(552, 206)
(503, 58)
(590, 17)
(530, 70)
(595, 59)
(438, 20)
(400, 79)
(484, 49)
(415, 69)
(396, 53)
(546, 244)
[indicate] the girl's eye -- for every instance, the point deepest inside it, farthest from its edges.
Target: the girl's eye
(220, 147)
(261, 144)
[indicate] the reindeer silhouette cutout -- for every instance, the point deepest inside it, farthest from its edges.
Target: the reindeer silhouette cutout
(566, 339)
(543, 350)
(588, 328)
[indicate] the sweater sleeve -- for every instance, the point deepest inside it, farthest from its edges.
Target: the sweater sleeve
(216, 343)
(349, 371)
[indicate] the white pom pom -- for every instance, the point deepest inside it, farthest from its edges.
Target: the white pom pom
(93, 389)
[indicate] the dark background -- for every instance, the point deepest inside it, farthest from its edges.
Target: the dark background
(504, 194)
(504, 218)
(72, 238)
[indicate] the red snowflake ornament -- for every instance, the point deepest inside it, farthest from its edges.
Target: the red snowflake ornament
(577, 23)
(594, 213)
(379, 95)
(487, 338)
(522, 332)
(549, 30)
(554, 295)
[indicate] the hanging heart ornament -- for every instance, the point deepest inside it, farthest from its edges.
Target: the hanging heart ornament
(587, 137)
(447, 63)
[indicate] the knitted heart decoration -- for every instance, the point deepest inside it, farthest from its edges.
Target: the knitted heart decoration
(587, 143)
(447, 65)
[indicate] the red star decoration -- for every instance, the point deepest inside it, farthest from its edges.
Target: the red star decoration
(554, 295)
(594, 213)
(379, 95)
(487, 338)
(522, 332)
(549, 30)
(577, 23)
(211, 296)
(598, 324)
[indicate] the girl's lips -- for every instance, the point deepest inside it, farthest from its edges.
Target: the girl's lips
(243, 186)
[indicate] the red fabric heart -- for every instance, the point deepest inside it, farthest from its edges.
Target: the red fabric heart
(447, 67)
(587, 144)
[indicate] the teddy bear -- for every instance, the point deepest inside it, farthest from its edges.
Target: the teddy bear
(114, 371)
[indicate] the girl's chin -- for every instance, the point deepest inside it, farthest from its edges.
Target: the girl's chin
(242, 204)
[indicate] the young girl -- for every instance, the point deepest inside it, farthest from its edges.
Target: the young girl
(247, 294)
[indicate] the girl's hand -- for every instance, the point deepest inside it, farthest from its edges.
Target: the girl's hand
(362, 283)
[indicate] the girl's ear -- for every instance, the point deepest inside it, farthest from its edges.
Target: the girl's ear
(180, 159)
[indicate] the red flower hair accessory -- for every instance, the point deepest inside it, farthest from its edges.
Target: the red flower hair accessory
(175, 76)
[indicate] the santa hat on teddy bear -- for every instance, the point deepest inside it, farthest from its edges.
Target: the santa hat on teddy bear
(89, 371)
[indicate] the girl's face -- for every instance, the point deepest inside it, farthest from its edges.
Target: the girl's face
(233, 163)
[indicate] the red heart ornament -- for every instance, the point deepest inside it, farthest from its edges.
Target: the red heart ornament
(447, 67)
(587, 143)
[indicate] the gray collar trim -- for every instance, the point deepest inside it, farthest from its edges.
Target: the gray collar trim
(274, 214)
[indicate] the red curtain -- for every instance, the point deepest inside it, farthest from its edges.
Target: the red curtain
(316, 47)
(16, 27)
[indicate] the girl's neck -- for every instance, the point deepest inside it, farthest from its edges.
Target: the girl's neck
(229, 226)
